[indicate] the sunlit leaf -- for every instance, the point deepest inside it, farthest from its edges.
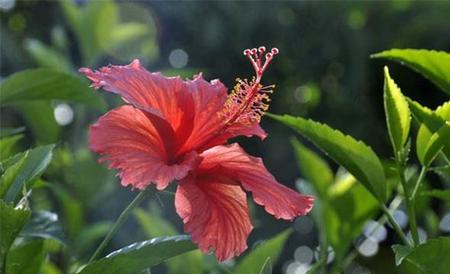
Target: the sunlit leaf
(398, 118)
(16, 219)
(434, 133)
(30, 166)
(435, 65)
(141, 255)
(355, 156)
(48, 84)
(26, 258)
(313, 168)
(256, 257)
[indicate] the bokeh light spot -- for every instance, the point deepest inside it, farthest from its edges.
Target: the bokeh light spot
(368, 247)
(444, 224)
(178, 58)
(63, 114)
(375, 231)
(304, 255)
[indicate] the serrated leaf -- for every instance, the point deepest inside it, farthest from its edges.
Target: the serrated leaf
(272, 248)
(431, 257)
(47, 84)
(155, 226)
(313, 168)
(434, 65)
(398, 118)
(16, 219)
(266, 267)
(43, 224)
(355, 156)
(434, 133)
(141, 255)
(26, 258)
(401, 252)
(30, 166)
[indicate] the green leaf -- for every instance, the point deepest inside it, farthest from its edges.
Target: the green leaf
(440, 194)
(153, 225)
(398, 118)
(349, 207)
(40, 119)
(434, 132)
(401, 252)
(257, 257)
(431, 257)
(267, 267)
(313, 168)
(48, 84)
(141, 255)
(16, 219)
(435, 65)
(443, 172)
(7, 145)
(355, 156)
(89, 236)
(7, 131)
(43, 224)
(46, 56)
(30, 166)
(26, 258)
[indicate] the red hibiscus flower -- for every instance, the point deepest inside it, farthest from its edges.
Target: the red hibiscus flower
(174, 129)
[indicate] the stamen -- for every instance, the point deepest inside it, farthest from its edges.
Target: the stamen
(249, 99)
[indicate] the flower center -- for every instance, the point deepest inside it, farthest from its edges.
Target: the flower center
(249, 99)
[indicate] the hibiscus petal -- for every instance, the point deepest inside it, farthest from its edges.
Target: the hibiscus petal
(131, 143)
(153, 92)
(233, 162)
(191, 107)
(215, 213)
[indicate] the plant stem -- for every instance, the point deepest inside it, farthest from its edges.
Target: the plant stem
(394, 224)
(423, 171)
(411, 207)
(409, 204)
(122, 217)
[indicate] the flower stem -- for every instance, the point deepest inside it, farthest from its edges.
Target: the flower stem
(122, 217)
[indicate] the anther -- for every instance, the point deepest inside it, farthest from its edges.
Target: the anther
(262, 49)
(274, 51)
